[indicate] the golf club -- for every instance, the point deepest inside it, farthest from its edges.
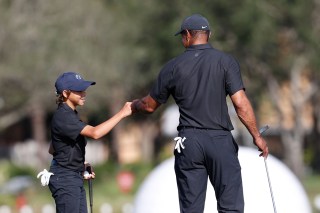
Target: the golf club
(262, 130)
(90, 194)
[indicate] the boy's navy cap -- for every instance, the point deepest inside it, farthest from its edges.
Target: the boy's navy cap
(72, 81)
(194, 22)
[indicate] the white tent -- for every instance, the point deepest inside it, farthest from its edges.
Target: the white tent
(158, 193)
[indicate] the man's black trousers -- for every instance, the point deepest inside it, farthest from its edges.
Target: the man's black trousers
(213, 154)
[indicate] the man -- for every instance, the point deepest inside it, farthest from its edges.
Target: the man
(199, 81)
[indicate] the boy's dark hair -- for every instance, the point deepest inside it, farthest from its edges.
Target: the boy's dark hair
(59, 99)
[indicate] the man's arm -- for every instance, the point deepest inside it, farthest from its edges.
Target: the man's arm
(245, 113)
(145, 105)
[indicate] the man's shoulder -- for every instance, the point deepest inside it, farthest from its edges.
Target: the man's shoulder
(224, 56)
(219, 52)
(169, 64)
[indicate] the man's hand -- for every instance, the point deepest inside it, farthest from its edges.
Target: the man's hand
(262, 146)
(145, 105)
(134, 107)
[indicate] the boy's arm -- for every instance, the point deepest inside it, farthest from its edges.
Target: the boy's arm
(105, 127)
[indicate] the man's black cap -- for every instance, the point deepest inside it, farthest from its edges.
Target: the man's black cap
(194, 22)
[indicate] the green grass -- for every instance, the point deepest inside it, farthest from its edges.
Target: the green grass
(105, 187)
(312, 187)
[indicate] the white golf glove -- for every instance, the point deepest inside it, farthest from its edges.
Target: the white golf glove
(179, 143)
(45, 177)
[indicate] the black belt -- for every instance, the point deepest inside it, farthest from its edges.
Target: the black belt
(54, 162)
(201, 128)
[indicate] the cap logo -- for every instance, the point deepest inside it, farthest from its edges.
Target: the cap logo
(204, 27)
(78, 77)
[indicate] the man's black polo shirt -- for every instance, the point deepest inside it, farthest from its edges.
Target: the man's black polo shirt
(67, 142)
(199, 81)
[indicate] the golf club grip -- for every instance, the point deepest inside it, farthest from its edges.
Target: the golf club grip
(89, 169)
(263, 129)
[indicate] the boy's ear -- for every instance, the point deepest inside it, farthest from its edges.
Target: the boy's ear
(65, 93)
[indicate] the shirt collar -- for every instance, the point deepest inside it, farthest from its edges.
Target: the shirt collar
(199, 47)
(66, 107)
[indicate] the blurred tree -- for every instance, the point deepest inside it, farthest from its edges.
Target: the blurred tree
(41, 39)
(275, 42)
(276, 45)
(123, 45)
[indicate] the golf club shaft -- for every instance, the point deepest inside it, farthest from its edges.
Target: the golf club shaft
(270, 187)
(90, 194)
(262, 130)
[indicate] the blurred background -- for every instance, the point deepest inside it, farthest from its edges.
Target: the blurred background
(122, 45)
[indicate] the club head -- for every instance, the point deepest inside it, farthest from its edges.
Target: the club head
(263, 129)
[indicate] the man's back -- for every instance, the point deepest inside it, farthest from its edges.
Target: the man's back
(199, 80)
